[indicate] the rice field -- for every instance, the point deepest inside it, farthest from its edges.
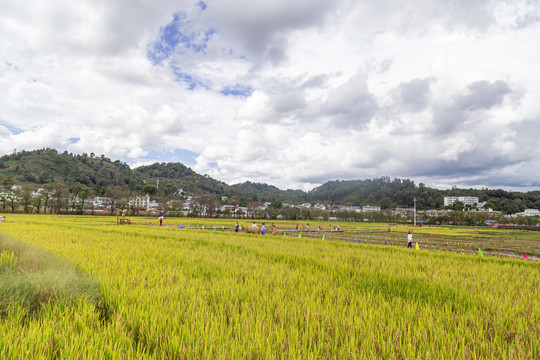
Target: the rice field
(175, 293)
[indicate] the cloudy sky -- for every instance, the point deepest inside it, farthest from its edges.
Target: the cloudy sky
(290, 93)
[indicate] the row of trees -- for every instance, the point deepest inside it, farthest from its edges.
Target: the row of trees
(53, 198)
(57, 199)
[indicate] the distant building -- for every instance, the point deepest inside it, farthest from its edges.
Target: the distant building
(140, 202)
(371, 208)
(100, 202)
(399, 210)
(467, 200)
(530, 212)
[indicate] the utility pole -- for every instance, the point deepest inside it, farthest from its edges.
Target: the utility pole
(415, 211)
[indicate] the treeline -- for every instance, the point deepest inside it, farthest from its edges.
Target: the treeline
(391, 193)
(100, 174)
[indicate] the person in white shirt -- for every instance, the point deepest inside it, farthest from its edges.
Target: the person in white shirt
(409, 239)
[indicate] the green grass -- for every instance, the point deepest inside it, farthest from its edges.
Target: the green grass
(31, 277)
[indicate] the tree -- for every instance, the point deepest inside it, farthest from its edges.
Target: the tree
(75, 191)
(150, 189)
(3, 197)
(234, 201)
(114, 193)
(290, 213)
(209, 202)
(169, 189)
(251, 207)
(47, 191)
(59, 191)
(38, 202)
(26, 197)
(84, 194)
(458, 206)
(11, 197)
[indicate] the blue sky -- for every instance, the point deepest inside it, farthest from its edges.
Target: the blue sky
(287, 93)
(183, 38)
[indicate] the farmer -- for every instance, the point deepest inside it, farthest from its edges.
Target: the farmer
(237, 228)
(161, 220)
(263, 228)
(409, 239)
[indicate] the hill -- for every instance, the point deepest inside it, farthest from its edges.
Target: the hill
(178, 176)
(265, 192)
(98, 173)
(48, 166)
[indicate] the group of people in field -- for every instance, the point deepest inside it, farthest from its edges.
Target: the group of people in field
(263, 229)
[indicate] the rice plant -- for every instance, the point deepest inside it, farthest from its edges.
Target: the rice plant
(190, 293)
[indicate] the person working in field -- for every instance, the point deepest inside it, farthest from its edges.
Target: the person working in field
(161, 220)
(409, 239)
(237, 228)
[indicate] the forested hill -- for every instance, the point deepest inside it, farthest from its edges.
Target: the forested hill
(383, 192)
(98, 173)
(48, 166)
(388, 193)
(270, 193)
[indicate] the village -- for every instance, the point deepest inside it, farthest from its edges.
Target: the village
(467, 210)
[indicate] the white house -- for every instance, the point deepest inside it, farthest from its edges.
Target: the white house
(140, 202)
(371, 208)
(467, 200)
(530, 212)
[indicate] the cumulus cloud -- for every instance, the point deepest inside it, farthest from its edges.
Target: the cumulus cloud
(413, 95)
(292, 94)
(483, 95)
(470, 105)
(261, 28)
(351, 104)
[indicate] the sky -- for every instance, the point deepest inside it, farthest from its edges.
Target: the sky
(288, 93)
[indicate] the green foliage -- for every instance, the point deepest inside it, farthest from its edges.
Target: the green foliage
(48, 166)
(458, 206)
(249, 191)
(100, 173)
(401, 192)
(150, 189)
(174, 176)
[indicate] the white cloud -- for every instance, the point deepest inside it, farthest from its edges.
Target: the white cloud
(292, 94)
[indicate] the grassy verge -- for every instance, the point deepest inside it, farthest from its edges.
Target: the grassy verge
(31, 277)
